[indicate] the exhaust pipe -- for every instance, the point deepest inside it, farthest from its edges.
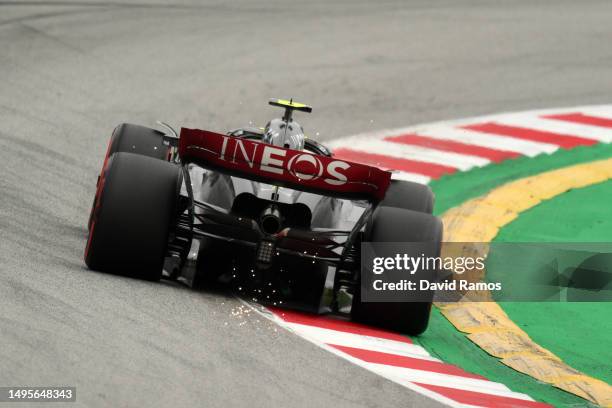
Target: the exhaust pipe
(270, 220)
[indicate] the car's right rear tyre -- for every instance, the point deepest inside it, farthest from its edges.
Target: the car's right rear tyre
(395, 225)
(134, 207)
(409, 196)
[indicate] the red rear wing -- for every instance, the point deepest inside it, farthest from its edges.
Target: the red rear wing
(275, 165)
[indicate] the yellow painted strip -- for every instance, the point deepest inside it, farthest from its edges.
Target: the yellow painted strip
(486, 324)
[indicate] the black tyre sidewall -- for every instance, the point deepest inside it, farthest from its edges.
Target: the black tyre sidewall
(134, 139)
(409, 196)
(132, 216)
(390, 224)
(140, 140)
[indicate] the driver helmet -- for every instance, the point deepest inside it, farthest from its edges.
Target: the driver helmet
(284, 133)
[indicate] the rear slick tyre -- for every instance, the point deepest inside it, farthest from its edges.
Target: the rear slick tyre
(134, 208)
(135, 139)
(398, 225)
(409, 196)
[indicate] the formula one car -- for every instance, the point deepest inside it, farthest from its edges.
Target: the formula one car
(266, 212)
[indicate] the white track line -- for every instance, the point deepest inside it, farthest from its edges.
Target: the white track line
(417, 178)
(603, 111)
(600, 134)
(441, 131)
(422, 154)
(401, 374)
(497, 142)
(339, 338)
(371, 142)
(414, 387)
(404, 376)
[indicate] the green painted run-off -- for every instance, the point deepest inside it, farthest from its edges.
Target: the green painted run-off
(444, 341)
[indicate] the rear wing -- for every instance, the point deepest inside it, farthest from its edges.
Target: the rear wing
(290, 168)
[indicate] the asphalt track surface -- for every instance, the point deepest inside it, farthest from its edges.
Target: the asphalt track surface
(70, 71)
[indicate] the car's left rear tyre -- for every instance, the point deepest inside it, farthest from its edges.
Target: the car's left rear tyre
(134, 139)
(135, 205)
(140, 140)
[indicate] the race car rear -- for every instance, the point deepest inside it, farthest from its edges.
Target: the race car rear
(160, 212)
